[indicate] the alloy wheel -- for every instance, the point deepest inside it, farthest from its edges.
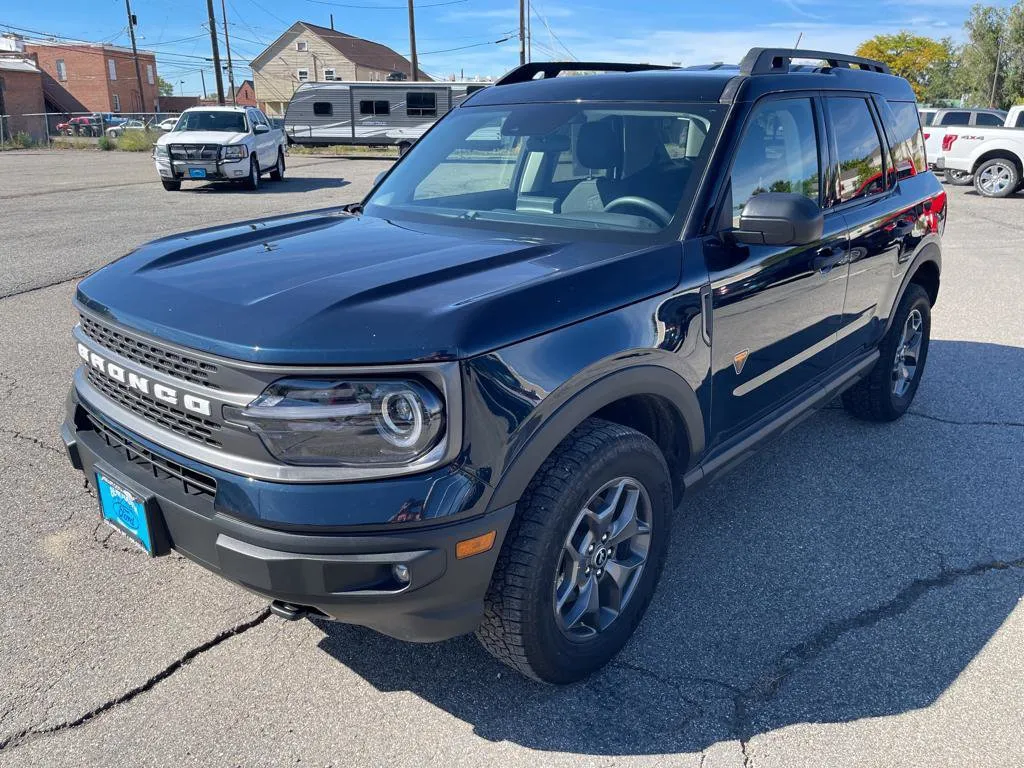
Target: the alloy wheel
(602, 558)
(908, 354)
(996, 178)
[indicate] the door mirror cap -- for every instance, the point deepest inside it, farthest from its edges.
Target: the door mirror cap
(780, 218)
(261, 128)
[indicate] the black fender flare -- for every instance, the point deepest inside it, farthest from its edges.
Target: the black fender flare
(929, 253)
(645, 379)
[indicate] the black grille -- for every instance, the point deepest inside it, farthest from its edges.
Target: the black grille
(194, 483)
(166, 361)
(188, 425)
(207, 152)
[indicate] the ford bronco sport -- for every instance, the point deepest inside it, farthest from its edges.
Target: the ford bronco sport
(473, 401)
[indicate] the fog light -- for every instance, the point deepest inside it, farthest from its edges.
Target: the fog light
(401, 573)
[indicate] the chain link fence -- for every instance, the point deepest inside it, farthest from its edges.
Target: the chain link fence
(45, 129)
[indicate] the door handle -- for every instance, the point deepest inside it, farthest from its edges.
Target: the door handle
(826, 258)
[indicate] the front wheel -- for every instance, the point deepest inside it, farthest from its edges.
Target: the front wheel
(957, 178)
(887, 392)
(171, 185)
(277, 173)
(580, 563)
(997, 177)
(403, 147)
(253, 182)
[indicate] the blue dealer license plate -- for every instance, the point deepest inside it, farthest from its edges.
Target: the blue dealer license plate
(197, 173)
(125, 511)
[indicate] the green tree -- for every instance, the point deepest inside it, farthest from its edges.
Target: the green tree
(985, 28)
(915, 57)
(166, 88)
(945, 83)
(1013, 42)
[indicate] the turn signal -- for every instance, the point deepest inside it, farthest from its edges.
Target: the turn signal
(475, 546)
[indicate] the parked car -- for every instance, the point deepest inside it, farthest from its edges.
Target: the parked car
(220, 144)
(472, 401)
(83, 125)
(993, 158)
(938, 118)
(935, 142)
(128, 125)
(168, 124)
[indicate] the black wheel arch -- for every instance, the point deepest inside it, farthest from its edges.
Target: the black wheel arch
(651, 398)
(925, 270)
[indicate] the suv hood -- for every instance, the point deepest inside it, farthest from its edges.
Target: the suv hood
(201, 137)
(327, 287)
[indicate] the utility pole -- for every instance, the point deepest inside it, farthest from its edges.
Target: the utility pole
(412, 42)
(995, 76)
(135, 53)
(522, 32)
(529, 30)
(227, 43)
(202, 76)
(216, 52)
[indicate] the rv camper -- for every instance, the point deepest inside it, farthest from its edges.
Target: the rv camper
(369, 113)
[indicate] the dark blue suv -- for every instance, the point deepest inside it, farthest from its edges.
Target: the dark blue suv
(473, 401)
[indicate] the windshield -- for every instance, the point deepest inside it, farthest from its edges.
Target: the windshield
(576, 166)
(214, 120)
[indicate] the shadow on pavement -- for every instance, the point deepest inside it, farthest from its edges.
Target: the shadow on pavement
(291, 184)
(849, 570)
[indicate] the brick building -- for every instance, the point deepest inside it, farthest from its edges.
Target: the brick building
(21, 94)
(245, 94)
(101, 77)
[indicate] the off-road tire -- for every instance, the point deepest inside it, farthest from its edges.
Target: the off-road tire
(519, 626)
(873, 398)
(252, 183)
(277, 173)
(171, 186)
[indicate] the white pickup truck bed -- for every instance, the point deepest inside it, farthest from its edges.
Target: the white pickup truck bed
(993, 156)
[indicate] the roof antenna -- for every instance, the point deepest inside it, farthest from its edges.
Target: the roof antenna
(798, 39)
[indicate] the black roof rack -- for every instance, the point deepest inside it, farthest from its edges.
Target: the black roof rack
(525, 72)
(770, 61)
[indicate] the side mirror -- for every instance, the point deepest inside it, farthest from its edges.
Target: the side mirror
(261, 128)
(780, 218)
(378, 177)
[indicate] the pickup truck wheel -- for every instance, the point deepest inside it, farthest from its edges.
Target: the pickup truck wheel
(887, 392)
(581, 560)
(277, 174)
(171, 186)
(253, 182)
(957, 178)
(997, 177)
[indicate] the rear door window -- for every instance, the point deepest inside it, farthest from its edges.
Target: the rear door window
(955, 118)
(858, 148)
(986, 118)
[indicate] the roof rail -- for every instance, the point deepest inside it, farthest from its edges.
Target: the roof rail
(525, 72)
(770, 61)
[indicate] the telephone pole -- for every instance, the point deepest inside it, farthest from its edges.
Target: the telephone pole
(412, 42)
(522, 31)
(227, 43)
(216, 52)
(135, 53)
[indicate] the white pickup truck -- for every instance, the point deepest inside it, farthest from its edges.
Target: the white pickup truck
(991, 157)
(220, 144)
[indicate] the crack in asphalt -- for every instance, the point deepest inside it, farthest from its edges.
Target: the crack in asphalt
(769, 684)
(52, 284)
(748, 760)
(29, 735)
(959, 423)
(29, 439)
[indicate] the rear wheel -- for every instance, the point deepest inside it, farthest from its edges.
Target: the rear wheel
(277, 173)
(957, 178)
(887, 392)
(997, 177)
(171, 185)
(580, 563)
(253, 182)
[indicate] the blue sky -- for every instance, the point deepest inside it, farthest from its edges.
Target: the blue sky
(637, 30)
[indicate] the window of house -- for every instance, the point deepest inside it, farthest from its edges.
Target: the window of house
(328, 74)
(302, 75)
(62, 70)
(323, 108)
(117, 103)
(300, 45)
(374, 108)
(859, 149)
(421, 104)
(112, 69)
(778, 153)
(149, 73)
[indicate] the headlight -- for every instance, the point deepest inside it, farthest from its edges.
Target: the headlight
(350, 422)
(161, 150)
(234, 152)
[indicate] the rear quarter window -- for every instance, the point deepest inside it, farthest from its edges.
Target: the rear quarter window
(905, 139)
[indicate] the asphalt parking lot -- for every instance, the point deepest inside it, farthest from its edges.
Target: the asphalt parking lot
(850, 596)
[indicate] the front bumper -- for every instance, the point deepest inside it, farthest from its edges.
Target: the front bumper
(216, 170)
(348, 576)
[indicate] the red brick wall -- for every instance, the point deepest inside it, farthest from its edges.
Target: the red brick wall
(245, 95)
(23, 94)
(88, 79)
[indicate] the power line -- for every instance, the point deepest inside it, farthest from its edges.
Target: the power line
(385, 7)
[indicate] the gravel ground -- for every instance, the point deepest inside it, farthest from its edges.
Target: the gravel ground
(850, 596)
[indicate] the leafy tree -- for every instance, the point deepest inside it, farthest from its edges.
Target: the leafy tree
(985, 28)
(918, 58)
(166, 88)
(1013, 42)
